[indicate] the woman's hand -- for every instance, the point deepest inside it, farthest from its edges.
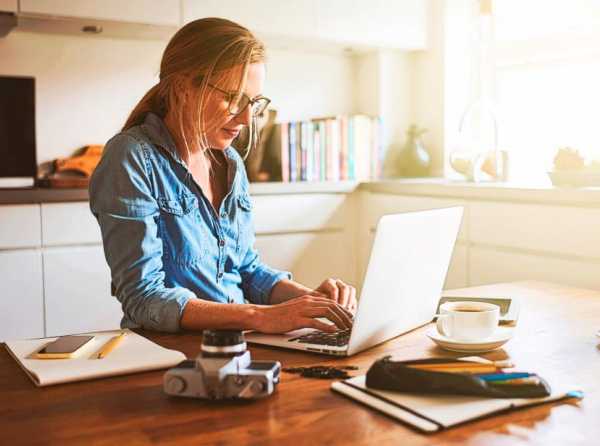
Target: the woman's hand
(302, 312)
(339, 292)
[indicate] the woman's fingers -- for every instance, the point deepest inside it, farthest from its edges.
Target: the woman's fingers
(326, 301)
(343, 293)
(353, 301)
(330, 288)
(314, 323)
(337, 317)
(319, 307)
(338, 291)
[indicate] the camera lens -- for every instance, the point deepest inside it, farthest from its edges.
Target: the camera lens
(223, 343)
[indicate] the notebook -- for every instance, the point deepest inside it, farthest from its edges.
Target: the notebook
(134, 354)
(434, 413)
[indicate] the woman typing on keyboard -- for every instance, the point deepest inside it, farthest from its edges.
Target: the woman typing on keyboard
(171, 198)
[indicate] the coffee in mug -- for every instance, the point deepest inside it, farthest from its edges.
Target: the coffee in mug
(468, 321)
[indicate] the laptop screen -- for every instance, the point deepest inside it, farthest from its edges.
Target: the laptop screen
(17, 127)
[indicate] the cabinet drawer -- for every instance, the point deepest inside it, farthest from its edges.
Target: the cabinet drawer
(311, 258)
(155, 12)
(69, 224)
(375, 205)
(77, 290)
(302, 212)
(20, 226)
(552, 229)
(491, 266)
(21, 301)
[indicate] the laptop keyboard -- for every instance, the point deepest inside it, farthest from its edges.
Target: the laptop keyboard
(338, 338)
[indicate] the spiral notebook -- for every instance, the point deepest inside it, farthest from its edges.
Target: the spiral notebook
(435, 413)
(134, 354)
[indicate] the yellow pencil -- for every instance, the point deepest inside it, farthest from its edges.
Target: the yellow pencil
(111, 345)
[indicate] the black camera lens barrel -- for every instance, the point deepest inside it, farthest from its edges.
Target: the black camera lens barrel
(223, 343)
(220, 338)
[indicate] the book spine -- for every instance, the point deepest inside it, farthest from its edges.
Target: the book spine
(335, 149)
(285, 151)
(323, 149)
(317, 151)
(351, 150)
(303, 151)
(292, 151)
(343, 123)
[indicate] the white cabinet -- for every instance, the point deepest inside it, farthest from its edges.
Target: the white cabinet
(381, 23)
(8, 5)
(374, 205)
(21, 301)
(562, 230)
(299, 213)
(311, 235)
(488, 265)
(385, 23)
(311, 258)
(77, 291)
(69, 224)
(152, 12)
(20, 226)
(290, 18)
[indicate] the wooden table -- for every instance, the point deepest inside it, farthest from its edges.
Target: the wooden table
(556, 336)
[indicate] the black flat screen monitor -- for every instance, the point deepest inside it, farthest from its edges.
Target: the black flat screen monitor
(17, 127)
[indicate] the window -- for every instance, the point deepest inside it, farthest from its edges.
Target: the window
(547, 82)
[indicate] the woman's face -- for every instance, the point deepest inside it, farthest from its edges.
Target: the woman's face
(227, 126)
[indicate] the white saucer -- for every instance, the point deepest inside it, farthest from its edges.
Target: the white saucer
(499, 338)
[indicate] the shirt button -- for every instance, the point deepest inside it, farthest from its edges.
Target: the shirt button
(220, 275)
(221, 242)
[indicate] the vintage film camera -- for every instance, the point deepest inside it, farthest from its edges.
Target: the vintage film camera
(223, 370)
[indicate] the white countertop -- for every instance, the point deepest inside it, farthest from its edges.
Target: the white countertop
(513, 192)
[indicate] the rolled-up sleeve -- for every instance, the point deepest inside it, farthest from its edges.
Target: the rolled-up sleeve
(121, 199)
(258, 279)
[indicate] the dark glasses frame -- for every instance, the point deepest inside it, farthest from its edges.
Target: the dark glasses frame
(235, 107)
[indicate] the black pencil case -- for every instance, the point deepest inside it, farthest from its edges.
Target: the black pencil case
(386, 374)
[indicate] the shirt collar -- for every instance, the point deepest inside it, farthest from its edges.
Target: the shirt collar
(159, 134)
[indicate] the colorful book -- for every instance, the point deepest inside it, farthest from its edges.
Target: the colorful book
(284, 144)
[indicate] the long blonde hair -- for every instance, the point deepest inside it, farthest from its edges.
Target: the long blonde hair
(198, 53)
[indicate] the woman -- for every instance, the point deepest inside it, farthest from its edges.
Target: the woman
(171, 198)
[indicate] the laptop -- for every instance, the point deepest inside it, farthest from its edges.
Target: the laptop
(402, 287)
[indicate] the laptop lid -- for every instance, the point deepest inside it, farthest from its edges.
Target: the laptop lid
(405, 275)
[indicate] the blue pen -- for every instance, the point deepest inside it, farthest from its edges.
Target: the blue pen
(504, 376)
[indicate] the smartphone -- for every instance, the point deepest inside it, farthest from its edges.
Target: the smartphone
(63, 347)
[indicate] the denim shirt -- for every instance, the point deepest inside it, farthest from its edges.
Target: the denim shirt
(163, 240)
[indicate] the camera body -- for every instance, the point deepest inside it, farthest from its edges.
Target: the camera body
(223, 370)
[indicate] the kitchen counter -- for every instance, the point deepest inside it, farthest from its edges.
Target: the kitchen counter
(503, 192)
(45, 195)
(431, 187)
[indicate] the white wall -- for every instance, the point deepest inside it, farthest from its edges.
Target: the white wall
(86, 86)
(304, 84)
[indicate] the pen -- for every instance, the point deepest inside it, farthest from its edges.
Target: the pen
(111, 345)
(505, 376)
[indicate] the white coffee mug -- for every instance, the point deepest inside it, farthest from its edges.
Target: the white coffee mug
(468, 321)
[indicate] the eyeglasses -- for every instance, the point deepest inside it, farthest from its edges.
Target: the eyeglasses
(237, 103)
